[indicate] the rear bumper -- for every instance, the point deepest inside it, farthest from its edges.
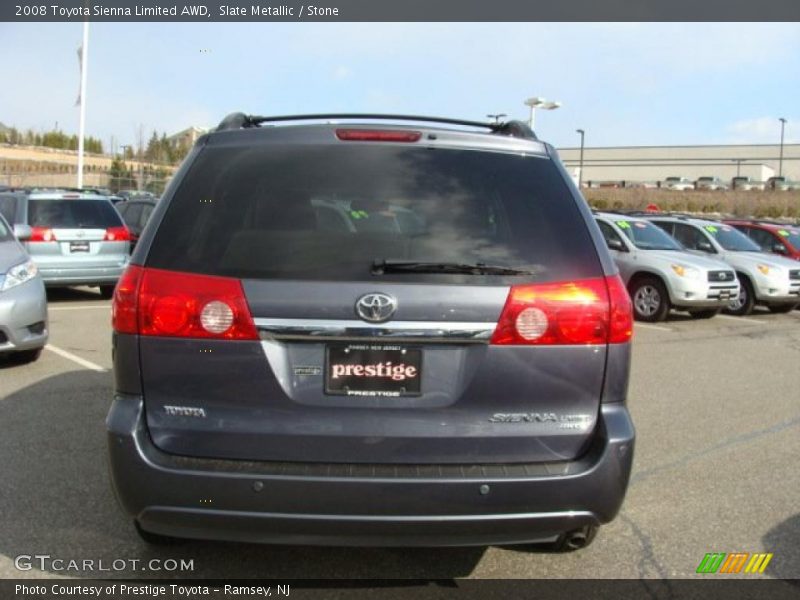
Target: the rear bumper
(305, 504)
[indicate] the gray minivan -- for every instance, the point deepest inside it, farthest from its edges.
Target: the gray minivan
(74, 238)
(383, 330)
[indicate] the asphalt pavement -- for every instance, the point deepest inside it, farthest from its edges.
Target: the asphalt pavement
(716, 404)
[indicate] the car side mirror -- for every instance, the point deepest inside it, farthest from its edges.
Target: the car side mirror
(705, 246)
(616, 244)
(23, 232)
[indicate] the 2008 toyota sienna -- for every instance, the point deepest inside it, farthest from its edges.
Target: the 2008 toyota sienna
(371, 330)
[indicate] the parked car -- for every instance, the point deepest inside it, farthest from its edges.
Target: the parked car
(74, 238)
(660, 275)
(782, 184)
(746, 184)
(771, 280)
(777, 238)
(710, 184)
(135, 194)
(136, 213)
(680, 184)
(454, 378)
(23, 304)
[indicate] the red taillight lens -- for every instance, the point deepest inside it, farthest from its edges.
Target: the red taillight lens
(117, 234)
(589, 311)
(42, 234)
(377, 135)
(126, 299)
(164, 303)
(621, 311)
(197, 306)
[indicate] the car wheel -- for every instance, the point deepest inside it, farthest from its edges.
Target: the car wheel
(650, 300)
(705, 314)
(155, 539)
(743, 304)
(106, 291)
(782, 308)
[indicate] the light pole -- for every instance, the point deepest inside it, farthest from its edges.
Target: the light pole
(780, 160)
(580, 167)
(496, 117)
(542, 103)
(738, 162)
(82, 118)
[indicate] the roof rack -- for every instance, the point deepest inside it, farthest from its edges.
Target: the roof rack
(510, 128)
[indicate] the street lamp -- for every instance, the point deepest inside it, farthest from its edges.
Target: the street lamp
(580, 168)
(780, 160)
(542, 103)
(496, 117)
(738, 162)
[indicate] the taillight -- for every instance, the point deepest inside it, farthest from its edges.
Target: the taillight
(153, 302)
(117, 234)
(590, 311)
(377, 135)
(42, 234)
(126, 300)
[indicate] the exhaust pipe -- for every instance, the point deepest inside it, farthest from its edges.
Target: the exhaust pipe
(577, 539)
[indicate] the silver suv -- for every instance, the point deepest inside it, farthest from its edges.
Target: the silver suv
(74, 238)
(765, 279)
(661, 275)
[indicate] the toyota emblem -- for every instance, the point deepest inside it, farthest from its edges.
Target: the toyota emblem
(376, 307)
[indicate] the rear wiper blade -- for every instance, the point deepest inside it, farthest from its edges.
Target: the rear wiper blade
(379, 267)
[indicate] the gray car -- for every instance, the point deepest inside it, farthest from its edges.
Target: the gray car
(74, 238)
(23, 304)
(661, 275)
(400, 332)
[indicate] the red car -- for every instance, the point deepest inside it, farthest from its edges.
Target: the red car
(772, 237)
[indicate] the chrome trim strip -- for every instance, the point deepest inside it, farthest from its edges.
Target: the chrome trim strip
(331, 329)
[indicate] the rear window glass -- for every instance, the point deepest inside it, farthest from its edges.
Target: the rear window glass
(67, 214)
(329, 212)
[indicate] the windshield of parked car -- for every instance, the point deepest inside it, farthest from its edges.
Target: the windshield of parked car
(69, 214)
(359, 204)
(731, 239)
(647, 236)
(791, 235)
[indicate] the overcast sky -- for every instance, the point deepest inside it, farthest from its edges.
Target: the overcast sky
(625, 84)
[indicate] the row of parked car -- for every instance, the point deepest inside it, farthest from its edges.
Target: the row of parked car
(58, 238)
(702, 266)
(741, 182)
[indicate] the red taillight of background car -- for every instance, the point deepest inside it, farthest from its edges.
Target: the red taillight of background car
(154, 302)
(42, 234)
(378, 135)
(590, 311)
(117, 234)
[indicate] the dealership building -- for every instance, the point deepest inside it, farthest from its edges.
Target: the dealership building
(655, 163)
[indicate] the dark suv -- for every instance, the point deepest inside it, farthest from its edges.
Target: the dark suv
(371, 330)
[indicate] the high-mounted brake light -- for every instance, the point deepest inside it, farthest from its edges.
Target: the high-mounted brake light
(117, 234)
(590, 311)
(153, 302)
(378, 135)
(42, 234)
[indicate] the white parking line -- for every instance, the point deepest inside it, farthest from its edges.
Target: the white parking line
(744, 319)
(57, 308)
(76, 359)
(648, 326)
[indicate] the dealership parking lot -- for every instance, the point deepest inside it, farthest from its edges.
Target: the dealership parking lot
(717, 409)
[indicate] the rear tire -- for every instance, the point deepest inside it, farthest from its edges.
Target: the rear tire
(782, 308)
(743, 305)
(155, 539)
(650, 299)
(705, 314)
(106, 291)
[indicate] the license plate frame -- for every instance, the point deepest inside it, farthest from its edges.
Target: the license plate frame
(75, 247)
(375, 356)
